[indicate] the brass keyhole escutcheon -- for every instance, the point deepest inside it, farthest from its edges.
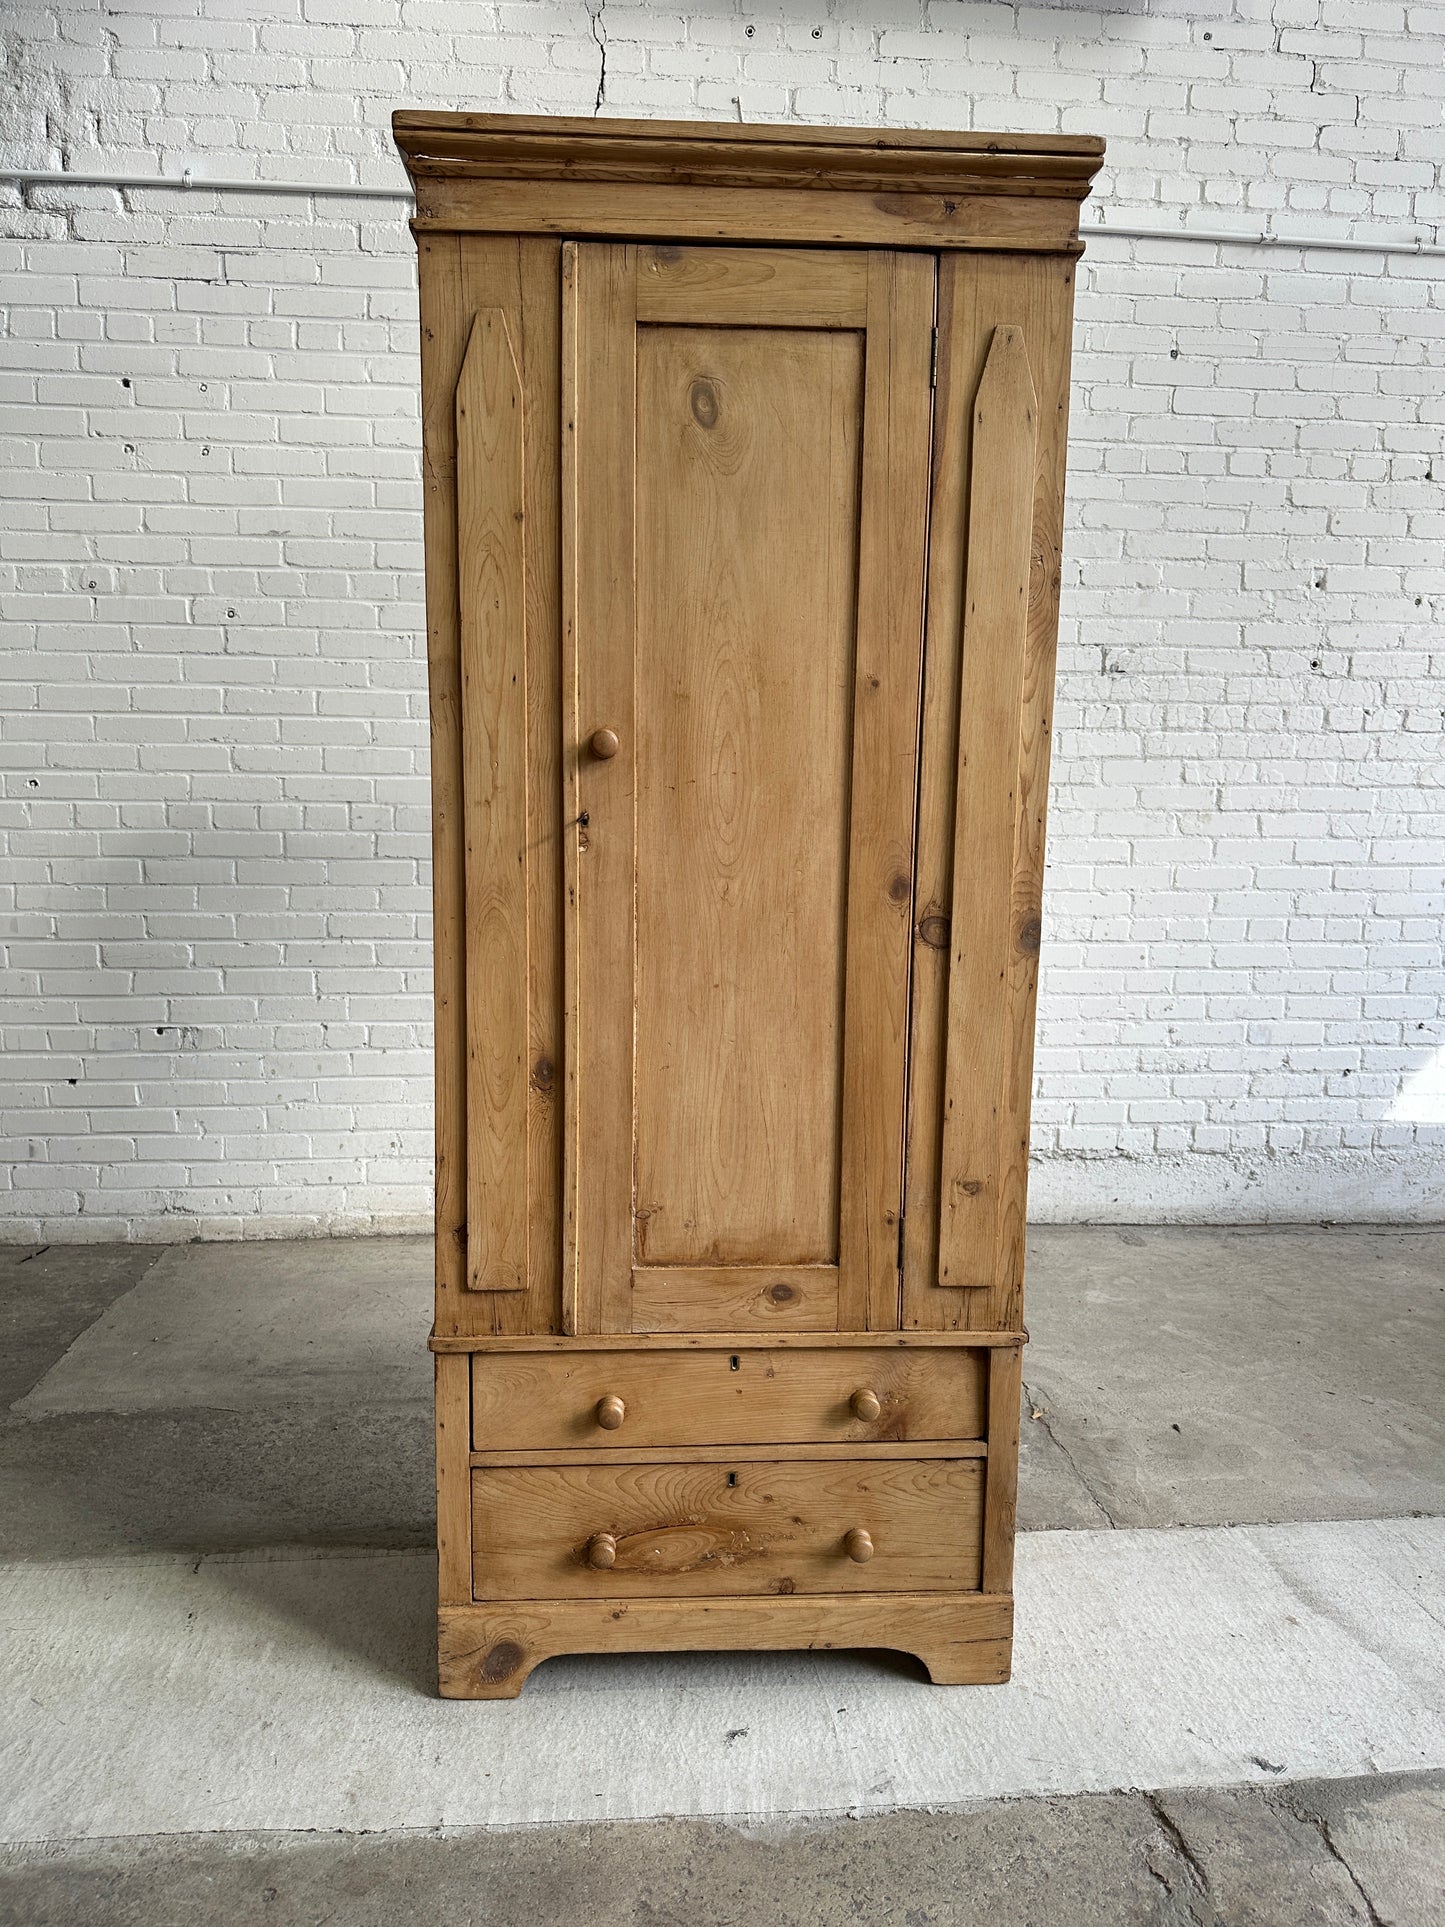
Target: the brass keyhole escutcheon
(605, 744)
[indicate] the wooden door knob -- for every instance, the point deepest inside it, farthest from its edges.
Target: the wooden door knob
(605, 743)
(610, 1412)
(858, 1545)
(602, 1551)
(865, 1404)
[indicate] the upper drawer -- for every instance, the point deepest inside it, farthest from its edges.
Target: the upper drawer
(843, 1394)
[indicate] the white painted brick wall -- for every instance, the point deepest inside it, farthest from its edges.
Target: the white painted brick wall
(213, 744)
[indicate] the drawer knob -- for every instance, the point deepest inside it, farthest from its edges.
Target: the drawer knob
(865, 1404)
(858, 1545)
(602, 1551)
(605, 743)
(610, 1412)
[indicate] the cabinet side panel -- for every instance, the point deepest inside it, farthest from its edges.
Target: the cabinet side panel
(977, 297)
(995, 898)
(521, 280)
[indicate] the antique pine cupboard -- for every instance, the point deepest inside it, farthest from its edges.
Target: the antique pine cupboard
(744, 458)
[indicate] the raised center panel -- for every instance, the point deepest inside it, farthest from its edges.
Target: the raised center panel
(748, 450)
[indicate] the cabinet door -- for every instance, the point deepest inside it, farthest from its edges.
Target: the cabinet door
(745, 483)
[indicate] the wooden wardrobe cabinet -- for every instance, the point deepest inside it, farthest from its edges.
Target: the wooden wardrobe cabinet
(744, 458)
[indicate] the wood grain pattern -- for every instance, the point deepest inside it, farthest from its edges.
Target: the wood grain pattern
(487, 1652)
(735, 1298)
(603, 412)
(1005, 1386)
(522, 1400)
(454, 1497)
(977, 298)
(759, 288)
(727, 1527)
(817, 217)
(495, 796)
(519, 279)
(887, 673)
(747, 464)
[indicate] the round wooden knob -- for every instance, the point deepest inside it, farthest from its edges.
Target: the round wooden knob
(602, 1550)
(610, 1412)
(604, 744)
(865, 1404)
(858, 1545)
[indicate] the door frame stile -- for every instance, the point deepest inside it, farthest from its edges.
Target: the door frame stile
(888, 678)
(601, 362)
(571, 802)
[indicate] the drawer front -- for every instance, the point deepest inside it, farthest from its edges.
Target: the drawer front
(533, 1401)
(617, 1530)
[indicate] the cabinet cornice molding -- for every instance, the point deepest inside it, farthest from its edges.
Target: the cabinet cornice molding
(824, 185)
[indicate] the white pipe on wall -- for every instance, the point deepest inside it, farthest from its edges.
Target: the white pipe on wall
(1099, 229)
(1102, 227)
(189, 179)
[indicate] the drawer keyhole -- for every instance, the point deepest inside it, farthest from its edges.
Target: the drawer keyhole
(732, 1478)
(734, 1362)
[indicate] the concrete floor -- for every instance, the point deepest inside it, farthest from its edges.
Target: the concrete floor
(167, 1403)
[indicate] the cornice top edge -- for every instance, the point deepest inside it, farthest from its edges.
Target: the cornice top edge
(728, 152)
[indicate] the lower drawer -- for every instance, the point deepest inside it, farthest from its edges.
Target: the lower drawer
(619, 1530)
